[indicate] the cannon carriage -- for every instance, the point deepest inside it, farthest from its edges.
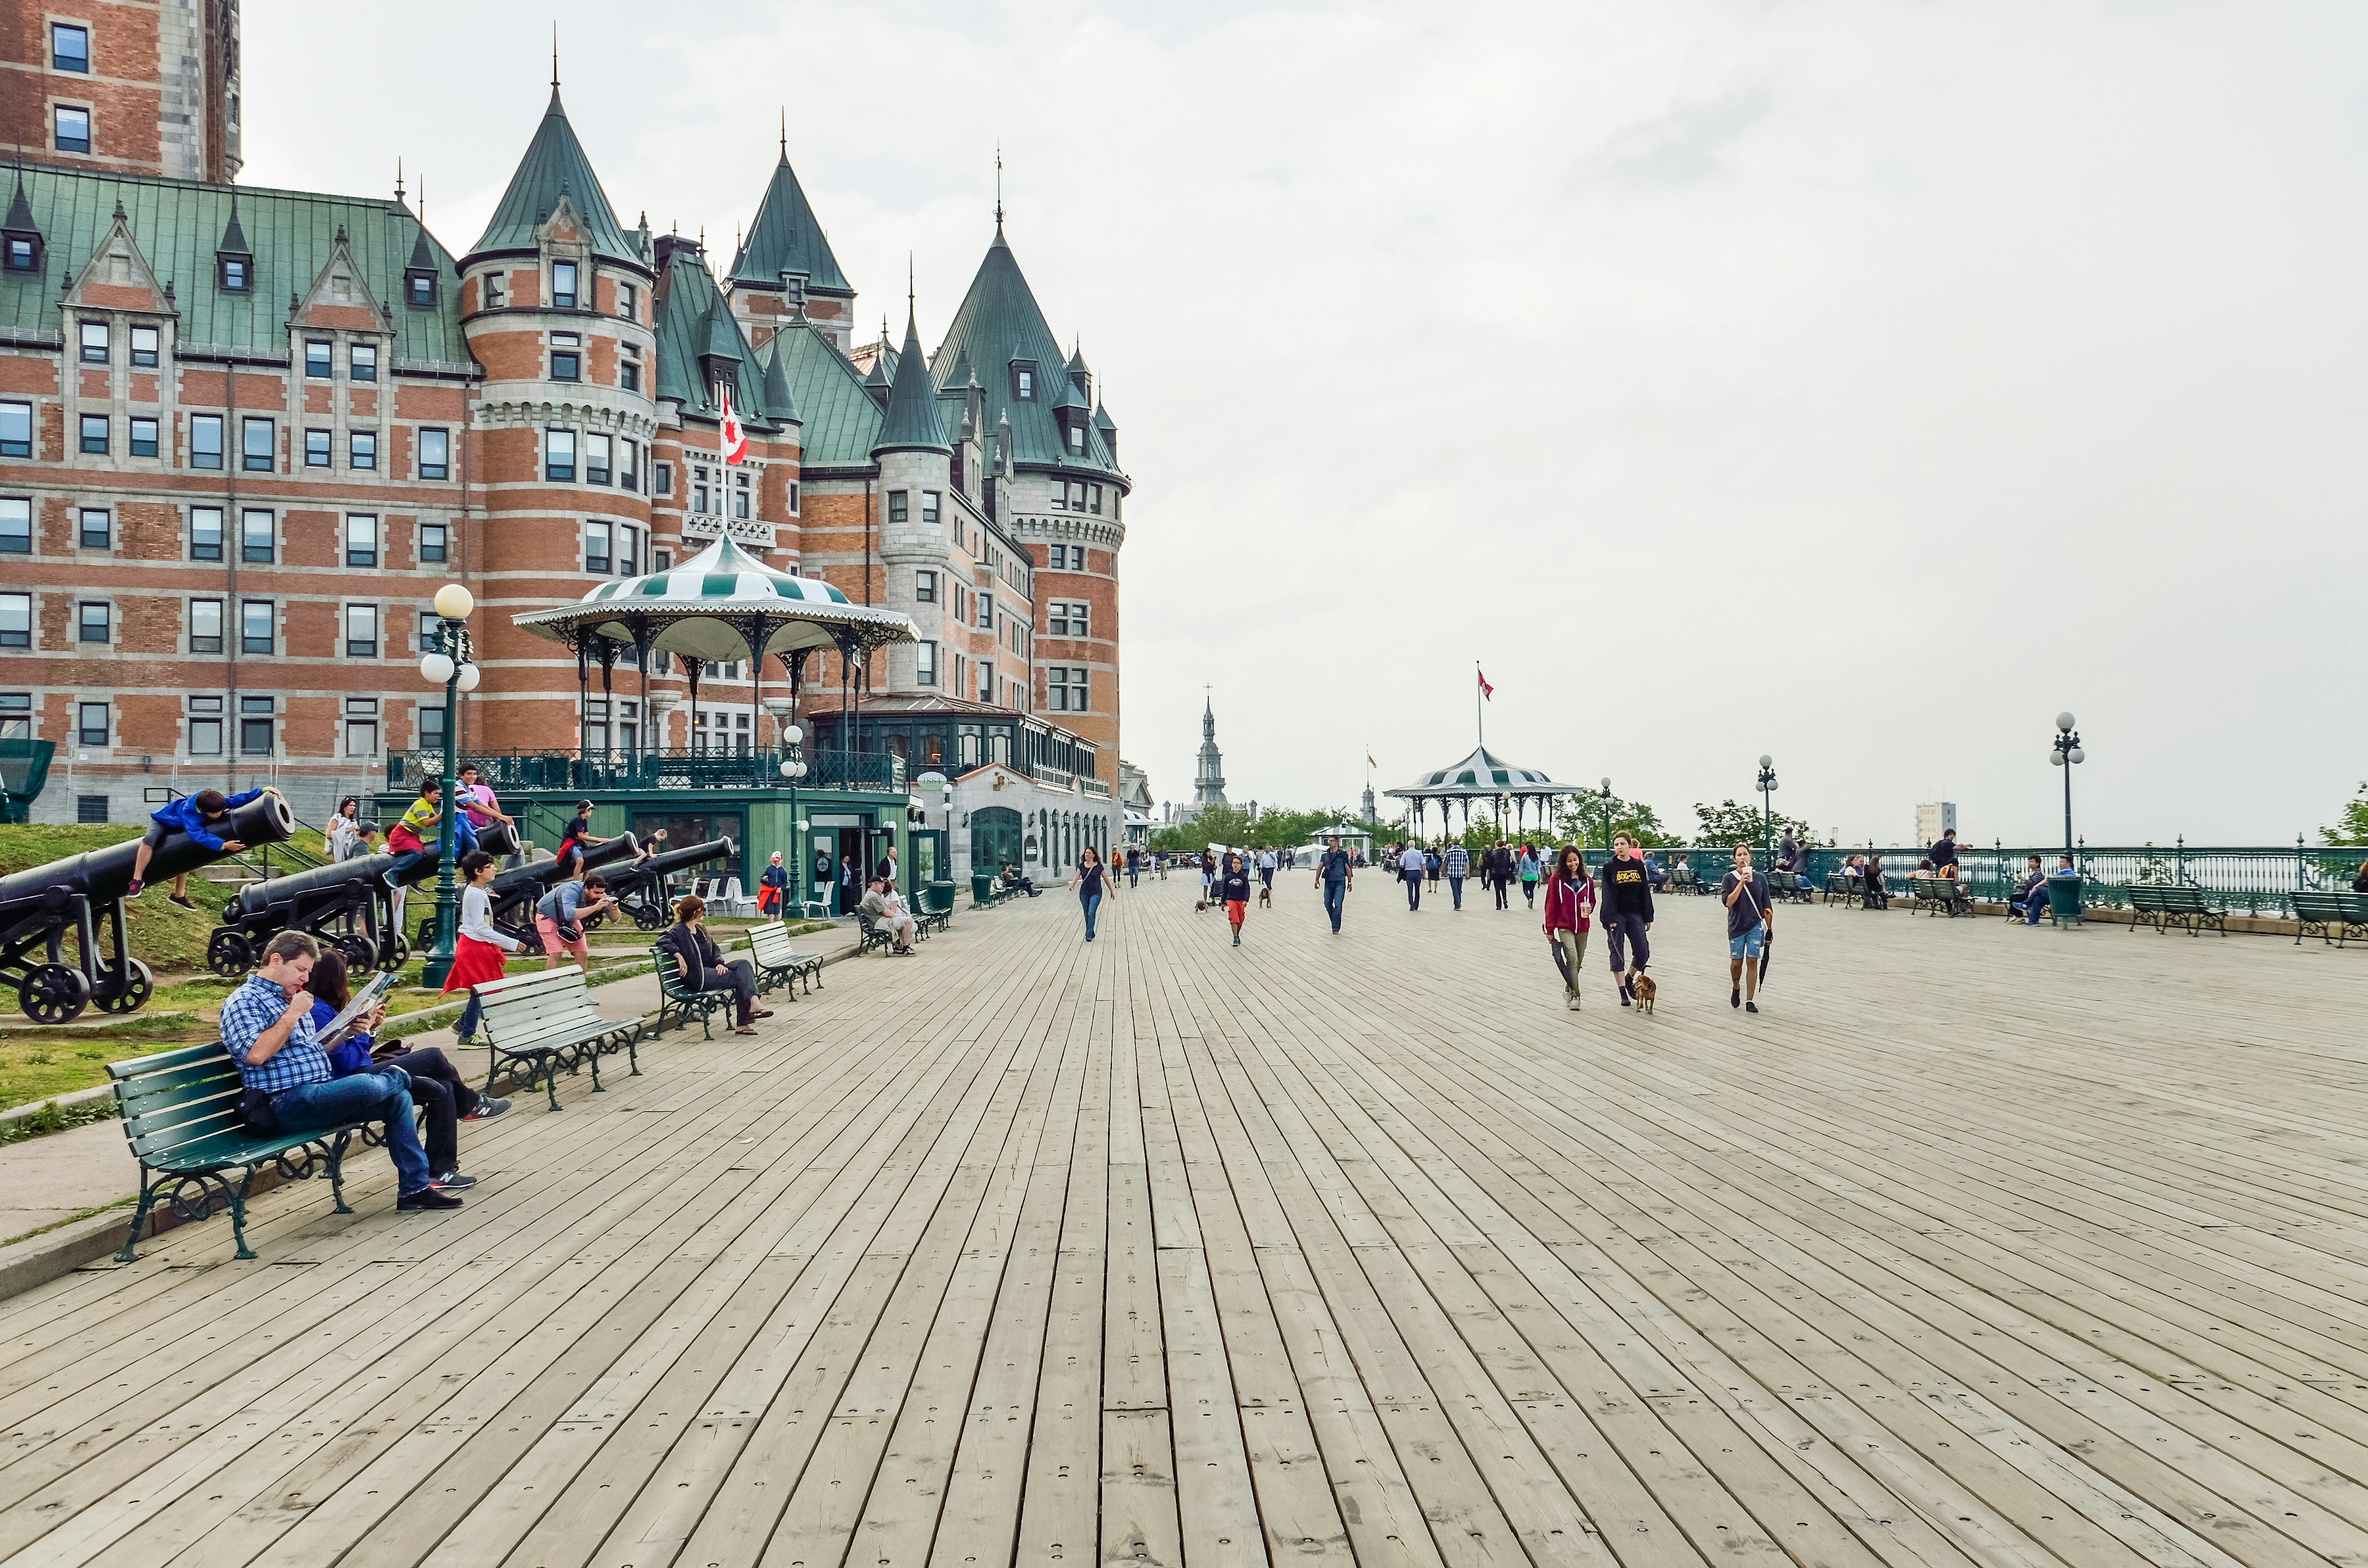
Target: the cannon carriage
(83, 896)
(514, 892)
(347, 905)
(639, 888)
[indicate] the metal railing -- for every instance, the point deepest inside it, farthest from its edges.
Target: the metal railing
(669, 767)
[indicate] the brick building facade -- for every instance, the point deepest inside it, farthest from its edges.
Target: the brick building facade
(245, 433)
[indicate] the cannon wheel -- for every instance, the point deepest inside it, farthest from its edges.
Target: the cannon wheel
(396, 953)
(54, 994)
(132, 993)
(229, 953)
(649, 919)
(359, 951)
(592, 921)
(426, 940)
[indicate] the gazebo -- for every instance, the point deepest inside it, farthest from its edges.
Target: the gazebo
(721, 604)
(1483, 775)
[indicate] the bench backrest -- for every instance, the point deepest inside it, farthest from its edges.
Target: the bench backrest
(670, 980)
(178, 1096)
(769, 943)
(526, 1004)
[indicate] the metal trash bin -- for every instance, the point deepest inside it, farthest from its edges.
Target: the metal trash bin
(2064, 898)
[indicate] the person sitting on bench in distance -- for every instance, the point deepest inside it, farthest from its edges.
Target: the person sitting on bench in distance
(2030, 900)
(436, 1086)
(196, 815)
(887, 912)
(699, 965)
(266, 1027)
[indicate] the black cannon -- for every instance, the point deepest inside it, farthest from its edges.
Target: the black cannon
(348, 905)
(639, 888)
(515, 890)
(82, 892)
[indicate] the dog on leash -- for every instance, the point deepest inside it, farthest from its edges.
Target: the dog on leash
(1643, 989)
(1266, 895)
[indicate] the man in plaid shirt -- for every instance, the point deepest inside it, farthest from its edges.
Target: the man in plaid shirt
(266, 1027)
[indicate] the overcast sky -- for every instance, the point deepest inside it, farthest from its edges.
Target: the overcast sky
(1860, 384)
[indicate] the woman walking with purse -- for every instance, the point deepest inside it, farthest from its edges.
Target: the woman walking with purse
(1089, 880)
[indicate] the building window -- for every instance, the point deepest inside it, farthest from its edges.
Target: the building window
(925, 663)
(435, 454)
(628, 301)
(256, 446)
(629, 463)
(430, 635)
(90, 811)
(316, 449)
(205, 533)
(257, 537)
(144, 346)
(205, 440)
(361, 726)
(431, 727)
(597, 451)
(629, 367)
(361, 448)
(925, 588)
(72, 127)
(1023, 383)
(563, 284)
(255, 631)
(986, 680)
(1078, 495)
(205, 625)
(16, 525)
(1069, 619)
(929, 499)
(361, 362)
(205, 726)
(566, 357)
(986, 612)
(144, 436)
(434, 544)
(496, 293)
(320, 362)
(662, 479)
(95, 529)
(15, 429)
(740, 494)
(699, 491)
(93, 723)
(232, 272)
(899, 506)
(15, 620)
(419, 286)
(1094, 499)
(1069, 691)
(597, 557)
(1076, 437)
(24, 253)
(255, 726)
(94, 621)
(69, 48)
(361, 541)
(559, 455)
(793, 498)
(362, 631)
(93, 433)
(629, 550)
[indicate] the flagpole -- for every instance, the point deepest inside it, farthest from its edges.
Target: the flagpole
(1479, 724)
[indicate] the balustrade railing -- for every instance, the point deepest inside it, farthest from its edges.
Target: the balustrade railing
(668, 768)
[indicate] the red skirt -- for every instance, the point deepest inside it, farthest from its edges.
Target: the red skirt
(474, 963)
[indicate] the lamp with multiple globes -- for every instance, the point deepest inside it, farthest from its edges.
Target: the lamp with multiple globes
(2066, 752)
(451, 665)
(1767, 807)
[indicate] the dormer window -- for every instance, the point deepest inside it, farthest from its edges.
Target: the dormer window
(234, 273)
(1023, 381)
(1076, 437)
(419, 286)
(24, 253)
(563, 284)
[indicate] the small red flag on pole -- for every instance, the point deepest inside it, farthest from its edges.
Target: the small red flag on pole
(1486, 689)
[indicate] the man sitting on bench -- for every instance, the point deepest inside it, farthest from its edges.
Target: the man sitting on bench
(2030, 900)
(888, 913)
(266, 1027)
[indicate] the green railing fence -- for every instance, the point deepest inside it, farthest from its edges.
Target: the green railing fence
(671, 767)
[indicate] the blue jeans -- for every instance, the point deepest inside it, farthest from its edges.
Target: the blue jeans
(470, 1015)
(1336, 895)
(2033, 905)
(382, 1095)
(1414, 889)
(1455, 886)
(1093, 904)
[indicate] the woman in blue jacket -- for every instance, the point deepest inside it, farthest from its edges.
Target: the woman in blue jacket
(435, 1087)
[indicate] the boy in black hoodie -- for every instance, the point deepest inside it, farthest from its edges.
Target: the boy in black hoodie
(1626, 887)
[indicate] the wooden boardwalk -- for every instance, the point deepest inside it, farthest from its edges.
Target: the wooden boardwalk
(1981, 1246)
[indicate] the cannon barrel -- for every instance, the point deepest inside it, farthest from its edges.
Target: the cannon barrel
(104, 875)
(257, 898)
(537, 877)
(657, 868)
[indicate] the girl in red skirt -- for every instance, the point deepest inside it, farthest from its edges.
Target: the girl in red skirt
(480, 953)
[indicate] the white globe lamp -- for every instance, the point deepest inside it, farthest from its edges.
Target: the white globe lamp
(454, 602)
(436, 669)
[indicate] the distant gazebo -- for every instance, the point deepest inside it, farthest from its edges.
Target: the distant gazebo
(1487, 778)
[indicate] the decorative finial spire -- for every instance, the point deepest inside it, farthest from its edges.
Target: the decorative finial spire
(555, 56)
(998, 186)
(398, 179)
(909, 285)
(785, 134)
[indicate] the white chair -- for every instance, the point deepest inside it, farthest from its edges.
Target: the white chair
(730, 900)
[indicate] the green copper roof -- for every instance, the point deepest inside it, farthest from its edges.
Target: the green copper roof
(779, 402)
(912, 421)
(178, 226)
(999, 321)
(554, 165)
(692, 322)
(785, 238)
(1102, 420)
(841, 421)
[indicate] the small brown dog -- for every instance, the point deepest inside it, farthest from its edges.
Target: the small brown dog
(1266, 895)
(1643, 989)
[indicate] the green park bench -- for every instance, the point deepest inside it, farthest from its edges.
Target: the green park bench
(2164, 904)
(678, 1001)
(181, 1112)
(2330, 917)
(1942, 895)
(873, 934)
(933, 906)
(1789, 887)
(547, 1021)
(987, 889)
(1844, 886)
(776, 960)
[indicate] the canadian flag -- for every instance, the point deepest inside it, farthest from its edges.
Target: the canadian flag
(731, 435)
(1486, 689)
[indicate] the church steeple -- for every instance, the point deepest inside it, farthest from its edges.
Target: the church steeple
(1209, 782)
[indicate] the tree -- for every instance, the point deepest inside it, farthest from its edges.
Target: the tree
(1589, 818)
(1728, 823)
(2353, 827)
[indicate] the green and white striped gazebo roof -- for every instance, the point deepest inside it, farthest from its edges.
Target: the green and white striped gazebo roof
(1481, 776)
(709, 606)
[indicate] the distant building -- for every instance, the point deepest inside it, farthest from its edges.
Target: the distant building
(1134, 800)
(1209, 783)
(1934, 819)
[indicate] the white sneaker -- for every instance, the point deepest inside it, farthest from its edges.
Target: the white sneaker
(1572, 1003)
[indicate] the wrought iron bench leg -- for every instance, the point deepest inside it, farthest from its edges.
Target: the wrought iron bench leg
(336, 1163)
(246, 1253)
(632, 1054)
(592, 1051)
(129, 1252)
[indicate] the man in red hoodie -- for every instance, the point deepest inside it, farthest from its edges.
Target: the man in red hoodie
(1570, 908)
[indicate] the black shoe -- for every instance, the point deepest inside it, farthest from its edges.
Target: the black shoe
(1623, 997)
(424, 1199)
(182, 899)
(131, 889)
(487, 1109)
(1734, 997)
(453, 1181)
(1751, 1007)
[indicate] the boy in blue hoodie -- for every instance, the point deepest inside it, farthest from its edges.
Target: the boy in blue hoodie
(200, 816)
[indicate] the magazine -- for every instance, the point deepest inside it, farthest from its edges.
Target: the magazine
(336, 1028)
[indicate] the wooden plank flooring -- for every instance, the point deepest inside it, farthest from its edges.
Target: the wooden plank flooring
(1980, 1245)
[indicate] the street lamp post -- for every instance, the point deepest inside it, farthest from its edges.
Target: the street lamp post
(2063, 753)
(794, 767)
(1767, 807)
(453, 665)
(1604, 831)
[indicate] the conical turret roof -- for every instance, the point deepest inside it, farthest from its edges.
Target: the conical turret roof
(999, 321)
(234, 237)
(785, 237)
(693, 324)
(20, 212)
(1102, 421)
(554, 165)
(912, 423)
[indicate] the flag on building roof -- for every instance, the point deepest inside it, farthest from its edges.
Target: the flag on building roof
(1486, 689)
(731, 434)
